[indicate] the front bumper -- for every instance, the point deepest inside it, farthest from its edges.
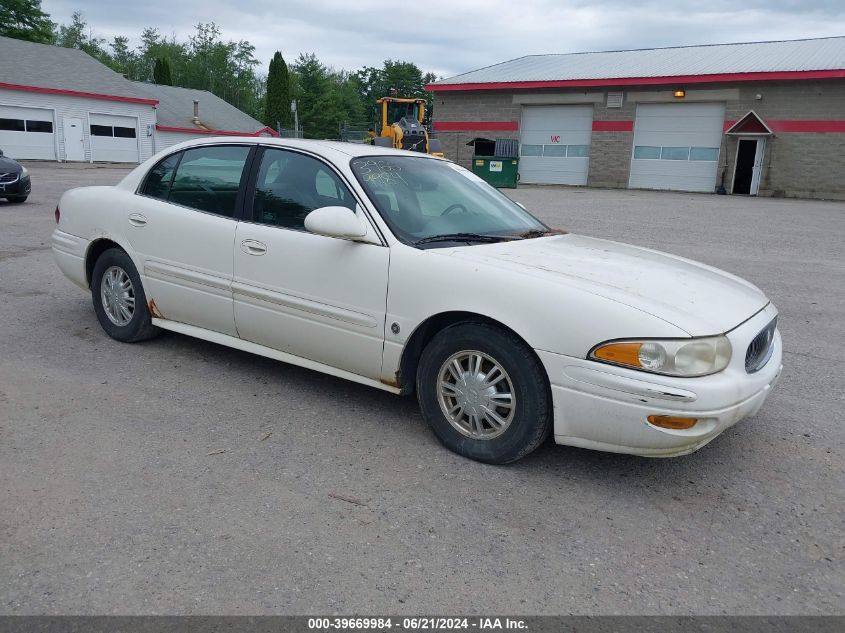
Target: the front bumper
(605, 407)
(20, 187)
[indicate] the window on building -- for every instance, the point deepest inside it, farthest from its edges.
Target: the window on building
(674, 153)
(124, 132)
(116, 131)
(531, 150)
(40, 126)
(554, 150)
(646, 152)
(704, 153)
(12, 125)
(577, 151)
(101, 130)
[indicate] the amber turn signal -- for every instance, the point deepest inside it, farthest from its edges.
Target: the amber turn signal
(672, 422)
(620, 353)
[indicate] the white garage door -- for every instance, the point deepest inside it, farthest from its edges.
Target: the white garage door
(555, 144)
(27, 133)
(676, 146)
(114, 138)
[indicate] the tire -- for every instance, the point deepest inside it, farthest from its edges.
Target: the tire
(527, 421)
(16, 199)
(113, 269)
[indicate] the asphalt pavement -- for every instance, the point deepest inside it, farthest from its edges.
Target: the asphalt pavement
(181, 477)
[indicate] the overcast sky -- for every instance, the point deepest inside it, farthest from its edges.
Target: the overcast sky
(449, 37)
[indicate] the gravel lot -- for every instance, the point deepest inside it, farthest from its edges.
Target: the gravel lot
(110, 501)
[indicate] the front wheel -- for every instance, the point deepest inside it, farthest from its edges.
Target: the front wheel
(119, 300)
(484, 393)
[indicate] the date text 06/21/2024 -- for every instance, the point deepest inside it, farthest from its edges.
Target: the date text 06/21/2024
(416, 623)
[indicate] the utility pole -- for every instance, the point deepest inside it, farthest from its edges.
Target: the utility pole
(295, 119)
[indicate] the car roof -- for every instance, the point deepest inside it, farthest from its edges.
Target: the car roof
(320, 146)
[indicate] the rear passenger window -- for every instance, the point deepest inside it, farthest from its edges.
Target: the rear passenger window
(159, 178)
(208, 178)
(292, 185)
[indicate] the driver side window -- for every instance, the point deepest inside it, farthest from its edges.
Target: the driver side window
(291, 185)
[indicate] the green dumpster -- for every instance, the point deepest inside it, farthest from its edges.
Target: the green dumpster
(496, 161)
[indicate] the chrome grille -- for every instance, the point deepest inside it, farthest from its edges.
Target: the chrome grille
(760, 349)
(8, 178)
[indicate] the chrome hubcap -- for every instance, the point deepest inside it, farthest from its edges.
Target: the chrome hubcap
(476, 395)
(118, 296)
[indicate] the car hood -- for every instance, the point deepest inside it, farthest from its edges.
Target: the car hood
(699, 299)
(9, 166)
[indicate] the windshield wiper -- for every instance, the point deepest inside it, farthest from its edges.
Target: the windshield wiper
(542, 233)
(464, 237)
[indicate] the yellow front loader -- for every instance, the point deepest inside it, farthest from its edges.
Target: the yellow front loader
(401, 126)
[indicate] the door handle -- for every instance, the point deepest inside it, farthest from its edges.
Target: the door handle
(253, 247)
(136, 219)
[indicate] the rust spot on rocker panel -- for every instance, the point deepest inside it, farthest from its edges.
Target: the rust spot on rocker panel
(396, 383)
(151, 304)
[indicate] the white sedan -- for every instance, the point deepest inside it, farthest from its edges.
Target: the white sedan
(408, 273)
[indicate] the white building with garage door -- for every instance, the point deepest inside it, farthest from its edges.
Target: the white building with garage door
(61, 104)
(746, 119)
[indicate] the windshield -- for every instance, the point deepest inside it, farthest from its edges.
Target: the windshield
(423, 198)
(396, 111)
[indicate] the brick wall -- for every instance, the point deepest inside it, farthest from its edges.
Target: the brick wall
(485, 105)
(795, 164)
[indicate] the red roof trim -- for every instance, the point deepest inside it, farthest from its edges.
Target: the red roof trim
(76, 93)
(643, 81)
(476, 126)
(613, 126)
(192, 130)
(807, 126)
(751, 123)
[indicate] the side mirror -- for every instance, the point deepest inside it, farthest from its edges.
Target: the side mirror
(1, 152)
(335, 222)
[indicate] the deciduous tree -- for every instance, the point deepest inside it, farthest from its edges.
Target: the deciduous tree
(25, 20)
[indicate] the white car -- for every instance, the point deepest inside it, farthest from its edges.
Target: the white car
(408, 273)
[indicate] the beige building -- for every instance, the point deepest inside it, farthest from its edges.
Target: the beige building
(763, 118)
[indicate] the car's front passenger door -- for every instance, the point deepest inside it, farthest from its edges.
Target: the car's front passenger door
(317, 297)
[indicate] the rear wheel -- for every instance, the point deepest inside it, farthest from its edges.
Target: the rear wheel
(119, 300)
(484, 393)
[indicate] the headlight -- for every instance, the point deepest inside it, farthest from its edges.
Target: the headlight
(24, 172)
(684, 357)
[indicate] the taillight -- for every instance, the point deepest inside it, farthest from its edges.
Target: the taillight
(58, 214)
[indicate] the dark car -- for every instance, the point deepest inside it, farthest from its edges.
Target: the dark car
(14, 180)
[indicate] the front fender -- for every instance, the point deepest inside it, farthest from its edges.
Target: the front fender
(553, 317)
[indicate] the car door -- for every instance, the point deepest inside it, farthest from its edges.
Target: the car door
(317, 297)
(182, 226)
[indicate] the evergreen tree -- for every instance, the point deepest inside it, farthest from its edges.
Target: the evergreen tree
(277, 106)
(25, 20)
(161, 72)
